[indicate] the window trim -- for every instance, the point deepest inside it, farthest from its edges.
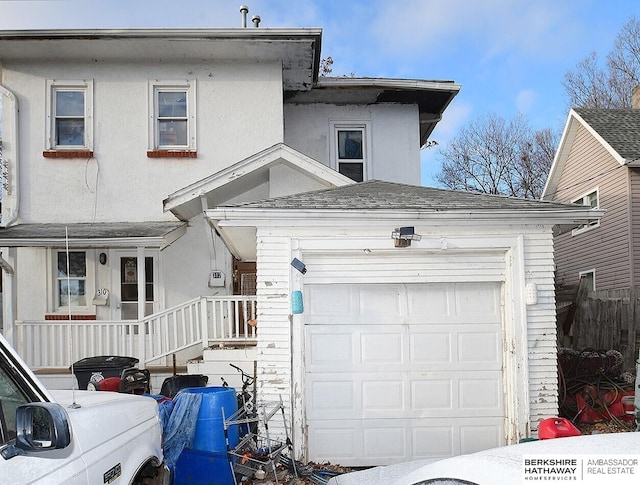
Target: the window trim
(587, 227)
(587, 272)
(89, 279)
(335, 126)
(52, 149)
(180, 151)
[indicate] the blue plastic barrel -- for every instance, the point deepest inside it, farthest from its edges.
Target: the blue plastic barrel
(209, 434)
(202, 468)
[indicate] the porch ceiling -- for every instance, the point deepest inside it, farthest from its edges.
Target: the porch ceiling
(99, 234)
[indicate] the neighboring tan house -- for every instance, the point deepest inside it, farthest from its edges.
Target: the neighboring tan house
(597, 164)
(165, 191)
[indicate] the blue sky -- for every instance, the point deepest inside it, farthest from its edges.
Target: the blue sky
(509, 56)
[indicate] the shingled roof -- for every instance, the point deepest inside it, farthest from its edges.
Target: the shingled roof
(620, 128)
(376, 194)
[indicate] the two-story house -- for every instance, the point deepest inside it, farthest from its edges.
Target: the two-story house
(597, 165)
(166, 192)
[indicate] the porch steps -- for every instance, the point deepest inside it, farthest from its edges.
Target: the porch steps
(215, 364)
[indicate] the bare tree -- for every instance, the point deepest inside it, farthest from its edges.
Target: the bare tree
(494, 155)
(326, 66)
(592, 86)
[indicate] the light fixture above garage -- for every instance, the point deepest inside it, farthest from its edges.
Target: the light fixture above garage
(402, 236)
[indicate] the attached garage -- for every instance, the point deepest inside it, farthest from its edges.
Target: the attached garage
(443, 346)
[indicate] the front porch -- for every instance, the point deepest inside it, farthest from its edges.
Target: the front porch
(172, 337)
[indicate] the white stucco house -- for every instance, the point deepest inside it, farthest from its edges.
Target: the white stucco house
(168, 191)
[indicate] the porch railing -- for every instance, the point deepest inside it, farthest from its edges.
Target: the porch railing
(191, 326)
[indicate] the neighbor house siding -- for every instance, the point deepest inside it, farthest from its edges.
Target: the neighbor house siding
(634, 237)
(605, 248)
(541, 328)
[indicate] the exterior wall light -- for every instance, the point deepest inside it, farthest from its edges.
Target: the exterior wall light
(402, 236)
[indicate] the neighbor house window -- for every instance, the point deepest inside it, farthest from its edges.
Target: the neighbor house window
(71, 279)
(350, 150)
(589, 278)
(69, 115)
(592, 200)
(172, 119)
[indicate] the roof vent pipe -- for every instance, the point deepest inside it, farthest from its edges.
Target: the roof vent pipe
(244, 10)
(256, 21)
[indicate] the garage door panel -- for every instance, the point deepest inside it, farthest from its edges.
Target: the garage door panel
(480, 347)
(381, 348)
(344, 304)
(334, 398)
(386, 395)
(481, 395)
(481, 435)
(483, 300)
(432, 395)
(385, 441)
(368, 348)
(416, 395)
(329, 350)
(453, 303)
(429, 348)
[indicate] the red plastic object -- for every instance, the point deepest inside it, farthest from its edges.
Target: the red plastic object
(594, 407)
(556, 428)
(109, 384)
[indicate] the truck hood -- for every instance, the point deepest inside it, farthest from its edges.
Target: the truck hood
(118, 413)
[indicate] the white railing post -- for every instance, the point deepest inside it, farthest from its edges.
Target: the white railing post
(204, 322)
(142, 342)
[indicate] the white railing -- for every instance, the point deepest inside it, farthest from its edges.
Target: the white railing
(192, 326)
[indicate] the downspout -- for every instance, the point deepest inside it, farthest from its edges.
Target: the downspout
(10, 160)
(10, 163)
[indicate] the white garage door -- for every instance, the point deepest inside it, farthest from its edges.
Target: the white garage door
(396, 372)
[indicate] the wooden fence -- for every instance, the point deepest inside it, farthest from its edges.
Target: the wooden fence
(603, 320)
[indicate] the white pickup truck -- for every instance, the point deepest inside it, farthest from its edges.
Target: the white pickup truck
(81, 437)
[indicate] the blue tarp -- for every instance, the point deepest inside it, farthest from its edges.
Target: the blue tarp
(178, 418)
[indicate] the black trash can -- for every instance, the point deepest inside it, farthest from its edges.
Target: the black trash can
(172, 385)
(98, 368)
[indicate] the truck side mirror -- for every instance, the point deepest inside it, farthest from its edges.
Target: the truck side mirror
(42, 426)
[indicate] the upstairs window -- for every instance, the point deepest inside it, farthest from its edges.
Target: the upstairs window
(590, 199)
(350, 150)
(69, 115)
(172, 121)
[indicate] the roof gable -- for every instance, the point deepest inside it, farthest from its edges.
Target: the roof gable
(617, 130)
(249, 178)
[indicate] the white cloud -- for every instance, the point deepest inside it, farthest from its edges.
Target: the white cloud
(491, 27)
(526, 100)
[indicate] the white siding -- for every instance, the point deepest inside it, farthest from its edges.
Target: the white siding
(541, 328)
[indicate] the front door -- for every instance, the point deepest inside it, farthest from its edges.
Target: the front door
(128, 285)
